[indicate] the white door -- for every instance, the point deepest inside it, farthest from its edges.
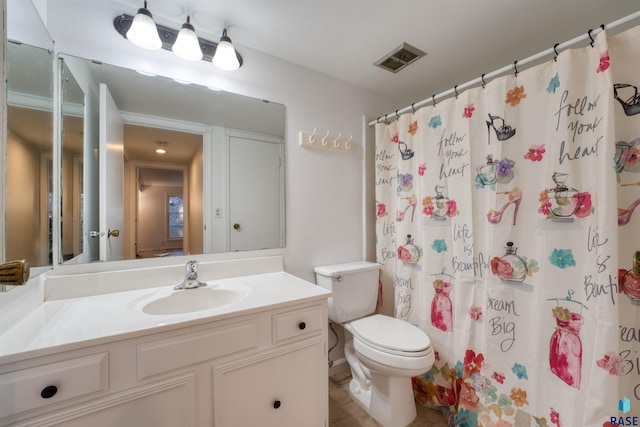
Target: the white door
(111, 178)
(255, 176)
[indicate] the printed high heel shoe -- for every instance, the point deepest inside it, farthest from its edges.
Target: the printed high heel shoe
(413, 201)
(515, 197)
(631, 105)
(503, 132)
(624, 215)
(406, 153)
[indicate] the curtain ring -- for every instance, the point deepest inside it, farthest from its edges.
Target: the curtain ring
(589, 33)
(515, 67)
(555, 49)
(455, 89)
(412, 108)
(386, 120)
(378, 119)
(397, 115)
(433, 98)
(484, 84)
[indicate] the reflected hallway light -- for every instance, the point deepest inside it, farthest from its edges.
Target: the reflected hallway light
(161, 147)
(143, 32)
(225, 57)
(187, 45)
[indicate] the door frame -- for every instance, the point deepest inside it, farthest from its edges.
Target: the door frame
(131, 229)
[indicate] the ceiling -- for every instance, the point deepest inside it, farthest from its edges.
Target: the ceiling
(343, 38)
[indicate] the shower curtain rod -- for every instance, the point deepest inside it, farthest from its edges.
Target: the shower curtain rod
(513, 67)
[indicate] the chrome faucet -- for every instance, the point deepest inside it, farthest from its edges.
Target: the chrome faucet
(191, 277)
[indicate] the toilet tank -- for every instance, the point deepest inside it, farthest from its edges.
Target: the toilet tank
(354, 288)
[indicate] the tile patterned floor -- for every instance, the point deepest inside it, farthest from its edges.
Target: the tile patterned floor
(343, 412)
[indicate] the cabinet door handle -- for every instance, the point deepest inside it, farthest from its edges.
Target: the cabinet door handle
(277, 404)
(48, 392)
(302, 325)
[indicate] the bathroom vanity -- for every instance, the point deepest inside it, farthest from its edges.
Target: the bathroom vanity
(100, 360)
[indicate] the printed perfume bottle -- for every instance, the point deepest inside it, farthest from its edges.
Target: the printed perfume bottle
(409, 253)
(565, 347)
(629, 281)
(487, 173)
(566, 203)
(439, 207)
(441, 306)
(510, 267)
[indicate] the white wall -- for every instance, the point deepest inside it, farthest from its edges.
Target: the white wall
(324, 203)
(152, 231)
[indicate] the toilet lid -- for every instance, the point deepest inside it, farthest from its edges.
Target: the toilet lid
(390, 333)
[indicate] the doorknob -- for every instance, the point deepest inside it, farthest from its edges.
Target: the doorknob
(113, 233)
(236, 226)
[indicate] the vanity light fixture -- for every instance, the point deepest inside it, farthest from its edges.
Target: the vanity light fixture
(187, 45)
(225, 57)
(143, 31)
(222, 54)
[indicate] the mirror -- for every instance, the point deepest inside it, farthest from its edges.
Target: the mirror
(72, 160)
(28, 140)
(219, 186)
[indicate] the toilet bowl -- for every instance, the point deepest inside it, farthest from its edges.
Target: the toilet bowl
(383, 352)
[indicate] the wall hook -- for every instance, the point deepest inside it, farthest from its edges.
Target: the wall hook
(324, 140)
(347, 144)
(311, 141)
(336, 144)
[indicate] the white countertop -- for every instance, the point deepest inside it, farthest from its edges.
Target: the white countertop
(71, 323)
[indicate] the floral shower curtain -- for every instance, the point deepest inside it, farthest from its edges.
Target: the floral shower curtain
(506, 227)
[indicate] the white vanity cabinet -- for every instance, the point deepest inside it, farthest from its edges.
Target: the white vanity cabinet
(267, 367)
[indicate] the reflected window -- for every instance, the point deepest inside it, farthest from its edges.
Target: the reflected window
(175, 217)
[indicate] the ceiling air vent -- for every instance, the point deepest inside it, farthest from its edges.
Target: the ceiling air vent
(399, 58)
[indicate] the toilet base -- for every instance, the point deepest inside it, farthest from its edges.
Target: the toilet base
(389, 400)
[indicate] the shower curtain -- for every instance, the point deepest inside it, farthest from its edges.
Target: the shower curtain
(507, 227)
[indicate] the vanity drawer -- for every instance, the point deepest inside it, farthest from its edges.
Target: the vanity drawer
(176, 352)
(52, 383)
(297, 323)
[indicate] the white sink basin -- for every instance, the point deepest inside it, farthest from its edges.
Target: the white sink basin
(193, 300)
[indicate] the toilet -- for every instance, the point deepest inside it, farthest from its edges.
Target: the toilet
(383, 352)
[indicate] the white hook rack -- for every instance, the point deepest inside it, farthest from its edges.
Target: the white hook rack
(326, 141)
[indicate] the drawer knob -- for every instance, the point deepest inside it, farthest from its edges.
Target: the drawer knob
(277, 404)
(49, 391)
(302, 325)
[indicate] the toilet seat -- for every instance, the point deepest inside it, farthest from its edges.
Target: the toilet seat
(391, 345)
(391, 335)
